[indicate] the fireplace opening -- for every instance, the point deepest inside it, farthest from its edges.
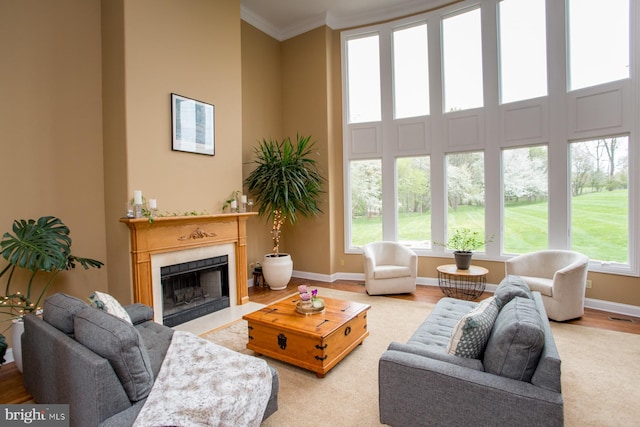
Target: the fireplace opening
(194, 289)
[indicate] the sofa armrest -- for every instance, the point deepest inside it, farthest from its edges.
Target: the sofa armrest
(425, 351)
(416, 390)
(139, 313)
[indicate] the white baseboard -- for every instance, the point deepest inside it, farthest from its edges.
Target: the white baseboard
(609, 306)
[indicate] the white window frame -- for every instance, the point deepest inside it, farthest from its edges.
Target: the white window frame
(554, 120)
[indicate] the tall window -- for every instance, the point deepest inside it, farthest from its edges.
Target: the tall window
(598, 42)
(366, 201)
(525, 199)
(462, 58)
(465, 192)
(363, 79)
(523, 50)
(414, 201)
(410, 72)
(600, 199)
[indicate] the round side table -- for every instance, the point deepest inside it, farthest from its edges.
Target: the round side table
(462, 284)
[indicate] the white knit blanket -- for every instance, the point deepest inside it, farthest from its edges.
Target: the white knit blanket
(203, 384)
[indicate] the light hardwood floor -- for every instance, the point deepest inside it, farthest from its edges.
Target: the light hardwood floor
(12, 390)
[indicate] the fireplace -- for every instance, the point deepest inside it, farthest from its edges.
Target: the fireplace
(194, 289)
(175, 240)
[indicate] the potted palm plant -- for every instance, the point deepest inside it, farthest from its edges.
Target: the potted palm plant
(38, 246)
(464, 242)
(285, 184)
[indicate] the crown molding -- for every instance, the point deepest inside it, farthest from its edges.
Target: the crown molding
(339, 22)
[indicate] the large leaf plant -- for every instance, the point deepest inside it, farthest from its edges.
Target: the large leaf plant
(286, 182)
(38, 246)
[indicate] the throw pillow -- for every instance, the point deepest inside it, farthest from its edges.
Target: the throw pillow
(516, 342)
(106, 302)
(511, 287)
(60, 310)
(121, 344)
(471, 333)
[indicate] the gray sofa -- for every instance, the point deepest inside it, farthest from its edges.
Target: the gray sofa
(59, 369)
(514, 382)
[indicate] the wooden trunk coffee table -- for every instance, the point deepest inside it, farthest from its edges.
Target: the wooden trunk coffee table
(316, 342)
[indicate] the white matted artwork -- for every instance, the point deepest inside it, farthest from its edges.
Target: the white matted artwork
(192, 123)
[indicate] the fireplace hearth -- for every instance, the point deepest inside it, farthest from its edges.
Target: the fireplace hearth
(193, 289)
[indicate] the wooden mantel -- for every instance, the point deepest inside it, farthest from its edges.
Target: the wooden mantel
(170, 234)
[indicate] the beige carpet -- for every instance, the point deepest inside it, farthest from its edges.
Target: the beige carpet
(601, 378)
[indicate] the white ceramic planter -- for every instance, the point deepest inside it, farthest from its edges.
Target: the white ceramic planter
(277, 270)
(16, 342)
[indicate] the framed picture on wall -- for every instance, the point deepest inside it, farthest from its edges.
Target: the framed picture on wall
(192, 123)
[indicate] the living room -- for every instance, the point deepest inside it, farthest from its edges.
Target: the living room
(94, 79)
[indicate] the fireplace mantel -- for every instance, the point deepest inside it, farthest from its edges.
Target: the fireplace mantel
(176, 233)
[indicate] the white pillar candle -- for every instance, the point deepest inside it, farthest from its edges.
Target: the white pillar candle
(137, 197)
(244, 198)
(153, 204)
(234, 204)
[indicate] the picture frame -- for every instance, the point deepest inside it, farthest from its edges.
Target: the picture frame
(192, 125)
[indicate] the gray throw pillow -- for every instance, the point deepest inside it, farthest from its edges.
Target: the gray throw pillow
(516, 341)
(60, 310)
(119, 342)
(511, 287)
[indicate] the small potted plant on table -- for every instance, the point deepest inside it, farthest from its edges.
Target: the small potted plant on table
(464, 242)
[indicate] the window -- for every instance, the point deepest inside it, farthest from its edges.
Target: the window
(465, 192)
(523, 50)
(414, 201)
(525, 191)
(598, 42)
(600, 199)
(363, 79)
(501, 154)
(462, 58)
(410, 72)
(366, 201)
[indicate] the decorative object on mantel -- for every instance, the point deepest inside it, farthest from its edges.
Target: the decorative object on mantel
(286, 182)
(41, 245)
(140, 207)
(464, 242)
(198, 233)
(309, 302)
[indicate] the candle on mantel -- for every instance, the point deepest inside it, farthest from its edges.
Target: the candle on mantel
(234, 204)
(244, 198)
(153, 204)
(137, 197)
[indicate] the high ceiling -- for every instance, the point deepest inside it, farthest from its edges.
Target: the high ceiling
(283, 19)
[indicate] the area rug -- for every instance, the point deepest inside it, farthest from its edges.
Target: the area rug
(599, 372)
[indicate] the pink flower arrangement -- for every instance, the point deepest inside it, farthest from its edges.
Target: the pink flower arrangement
(305, 295)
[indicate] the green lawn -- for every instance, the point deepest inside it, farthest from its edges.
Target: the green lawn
(599, 226)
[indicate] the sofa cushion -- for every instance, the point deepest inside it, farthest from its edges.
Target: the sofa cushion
(472, 331)
(437, 328)
(119, 342)
(106, 302)
(510, 287)
(391, 271)
(60, 311)
(516, 341)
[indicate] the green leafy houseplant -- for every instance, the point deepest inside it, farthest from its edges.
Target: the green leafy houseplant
(285, 183)
(38, 246)
(465, 240)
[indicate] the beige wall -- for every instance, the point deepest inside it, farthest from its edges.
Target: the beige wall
(51, 121)
(261, 117)
(167, 48)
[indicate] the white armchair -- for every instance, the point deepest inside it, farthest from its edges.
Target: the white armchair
(389, 268)
(559, 275)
